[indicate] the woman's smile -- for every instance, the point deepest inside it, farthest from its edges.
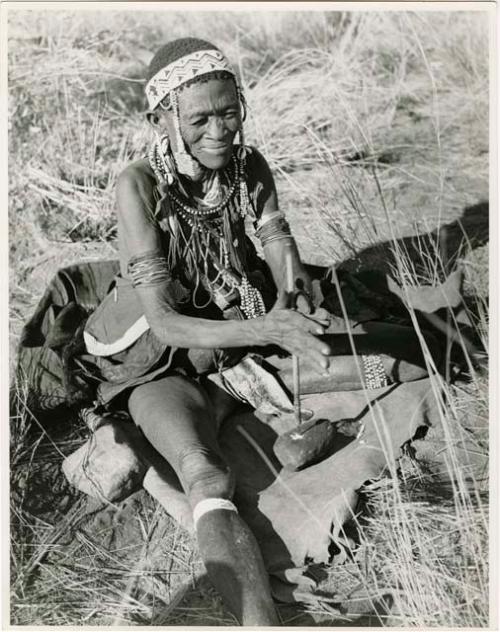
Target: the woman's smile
(210, 119)
(217, 150)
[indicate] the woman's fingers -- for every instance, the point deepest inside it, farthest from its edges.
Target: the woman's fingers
(316, 329)
(303, 305)
(313, 326)
(298, 334)
(318, 317)
(319, 314)
(322, 315)
(317, 359)
(304, 343)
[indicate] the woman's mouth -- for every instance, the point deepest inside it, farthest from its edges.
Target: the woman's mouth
(217, 150)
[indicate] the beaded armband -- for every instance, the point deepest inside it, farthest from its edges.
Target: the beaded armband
(374, 370)
(272, 228)
(148, 269)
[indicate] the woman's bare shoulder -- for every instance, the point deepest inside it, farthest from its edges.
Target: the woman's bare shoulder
(135, 184)
(137, 173)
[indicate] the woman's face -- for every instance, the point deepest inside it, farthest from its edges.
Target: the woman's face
(210, 117)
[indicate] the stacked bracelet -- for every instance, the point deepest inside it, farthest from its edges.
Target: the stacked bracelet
(273, 228)
(148, 269)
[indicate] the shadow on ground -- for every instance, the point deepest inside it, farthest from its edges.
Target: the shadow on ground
(471, 228)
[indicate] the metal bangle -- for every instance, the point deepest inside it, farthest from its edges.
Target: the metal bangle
(148, 269)
(276, 227)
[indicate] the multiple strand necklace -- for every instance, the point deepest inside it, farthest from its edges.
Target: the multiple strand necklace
(207, 211)
(211, 229)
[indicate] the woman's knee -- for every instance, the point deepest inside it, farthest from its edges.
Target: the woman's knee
(204, 474)
(174, 403)
(173, 413)
(173, 395)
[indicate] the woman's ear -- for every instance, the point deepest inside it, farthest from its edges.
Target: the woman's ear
(153, 118)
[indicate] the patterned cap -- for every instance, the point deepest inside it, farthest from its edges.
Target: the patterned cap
(201, 58)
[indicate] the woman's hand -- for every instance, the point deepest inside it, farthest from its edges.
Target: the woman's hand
(296, 333)
(303, 302)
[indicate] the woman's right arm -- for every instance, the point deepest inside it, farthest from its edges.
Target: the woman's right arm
(138, 235)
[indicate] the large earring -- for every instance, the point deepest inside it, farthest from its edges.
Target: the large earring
(245, 206)
(186, 164)
(163, 144)
(243, 115)
(158, 158)
(243, 102)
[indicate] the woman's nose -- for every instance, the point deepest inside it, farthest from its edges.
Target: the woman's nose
(216, 128)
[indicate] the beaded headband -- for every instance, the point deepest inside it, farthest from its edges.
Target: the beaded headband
(181, 70)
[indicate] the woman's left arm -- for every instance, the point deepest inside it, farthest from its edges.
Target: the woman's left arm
(276, 238)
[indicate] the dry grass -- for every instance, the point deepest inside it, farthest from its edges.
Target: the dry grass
(376, 127)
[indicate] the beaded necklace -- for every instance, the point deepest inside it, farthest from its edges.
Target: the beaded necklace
(208, 210)
(209, 225)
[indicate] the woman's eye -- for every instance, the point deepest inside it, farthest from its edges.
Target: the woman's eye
(199, 122)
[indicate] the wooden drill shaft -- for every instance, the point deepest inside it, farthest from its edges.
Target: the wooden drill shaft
(290, 281)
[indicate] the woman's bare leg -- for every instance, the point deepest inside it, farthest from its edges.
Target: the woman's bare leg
(177, 418)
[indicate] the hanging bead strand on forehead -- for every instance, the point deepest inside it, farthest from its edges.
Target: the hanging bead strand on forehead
(177, 124)
(186, 164)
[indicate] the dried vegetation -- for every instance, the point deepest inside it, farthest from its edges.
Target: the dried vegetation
(376, 127)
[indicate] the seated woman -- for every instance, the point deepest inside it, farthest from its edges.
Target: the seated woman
(193, 297)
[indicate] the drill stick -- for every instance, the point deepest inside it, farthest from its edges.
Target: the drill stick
(290, 282)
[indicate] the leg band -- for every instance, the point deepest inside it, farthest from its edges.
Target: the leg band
(375, 374)
(210, 504)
